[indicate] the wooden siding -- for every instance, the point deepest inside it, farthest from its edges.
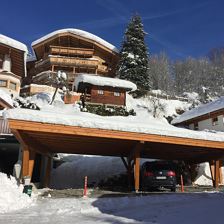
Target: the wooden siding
(17, 58)
(4, 126)
(108, 95)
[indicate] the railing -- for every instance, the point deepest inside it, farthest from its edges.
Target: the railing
(4, 126)
(54, 60)
(71, 51)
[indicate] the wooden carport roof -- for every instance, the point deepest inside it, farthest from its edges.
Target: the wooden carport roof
(54, 138)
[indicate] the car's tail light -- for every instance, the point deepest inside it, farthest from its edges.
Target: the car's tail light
(171, 174)
(148, 174)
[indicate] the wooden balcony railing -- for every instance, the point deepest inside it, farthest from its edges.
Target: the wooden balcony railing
(73, 62)
(4, 127)
(71, 51)
(68, 61)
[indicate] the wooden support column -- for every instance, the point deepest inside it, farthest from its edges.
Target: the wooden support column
(217, 174)
(25, 161)
(220, 173)
(212, 170)
(47, 173)
(31, 163)
(28, 162)
(137, 170)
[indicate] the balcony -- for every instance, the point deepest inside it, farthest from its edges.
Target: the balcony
(71, 51)
(72, 62)
(4, 127)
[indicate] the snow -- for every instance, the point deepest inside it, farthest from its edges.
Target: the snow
(80, 33)
(200, 208)
(142, 123)
(12, 43)
(103, 81)
(11, 196)
(5, 95)
(201, 110)
(97, 168)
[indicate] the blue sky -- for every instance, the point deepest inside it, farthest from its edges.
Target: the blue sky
(180, 28)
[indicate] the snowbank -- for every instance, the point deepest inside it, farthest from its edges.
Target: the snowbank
(80, 33)
(104, 81)
(13, 43)
(71, 174)
(11, 196)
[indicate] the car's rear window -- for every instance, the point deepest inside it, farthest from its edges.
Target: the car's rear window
(154, 167)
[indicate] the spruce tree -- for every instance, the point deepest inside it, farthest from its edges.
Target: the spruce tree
(133, 64)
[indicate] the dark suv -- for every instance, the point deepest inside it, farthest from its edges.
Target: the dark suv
(158, 174)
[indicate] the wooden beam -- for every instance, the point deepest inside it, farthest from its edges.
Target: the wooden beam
(217, 174)
(100, 133)
(137, 151)
(25, 162)
(48, 172)
(220, 172)
(124, 162)
(212, 170)
(31, 163)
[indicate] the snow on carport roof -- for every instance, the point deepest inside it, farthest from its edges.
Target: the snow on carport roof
(80, 33)
(134, 124)
(103, 81)
(201, 110)
(12, 43)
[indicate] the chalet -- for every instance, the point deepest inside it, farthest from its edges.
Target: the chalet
(72, 51)
(103, 90)
(209, 116)
(12, 64)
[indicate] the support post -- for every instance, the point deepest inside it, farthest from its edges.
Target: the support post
(217, 174)
(47, 173)
(25, 161)
(212, 170)
(220, 173)
(31, 162)
(28, 162)
(137, 169)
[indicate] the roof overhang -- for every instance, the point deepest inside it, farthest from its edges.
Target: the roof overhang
(48, 138)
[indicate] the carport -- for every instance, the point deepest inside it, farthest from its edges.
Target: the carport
(46, 139)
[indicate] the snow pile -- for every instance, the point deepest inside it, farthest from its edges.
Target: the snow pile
(143, 122)
(72, 173)
(11, 196)
(13, 43)
(201, 110)
(204, 175)
(103, 81)
(80, 33)
(5, 95)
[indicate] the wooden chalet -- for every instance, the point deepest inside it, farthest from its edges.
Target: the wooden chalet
(72, 51)
(103, 90)
(208, 116)
(12, 64)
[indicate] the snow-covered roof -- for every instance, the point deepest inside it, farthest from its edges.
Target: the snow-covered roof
(12, 43)
(103, 81)
(200, 110)
(142, 123)
(80, 33)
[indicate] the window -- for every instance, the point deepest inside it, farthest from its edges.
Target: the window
(12, 85)
(1, 60)
(214, 121)
(3, 83)
(100, 92)
(117, 94)
(196, 126)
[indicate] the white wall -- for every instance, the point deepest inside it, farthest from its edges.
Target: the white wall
(207, 124)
